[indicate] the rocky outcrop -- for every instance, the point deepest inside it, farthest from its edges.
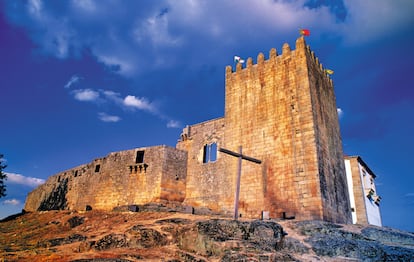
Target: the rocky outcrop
(226, 238)
(218, 238)
(165, 236)
(61, 241)
(389, 236)
(372, 244)
(75, 221)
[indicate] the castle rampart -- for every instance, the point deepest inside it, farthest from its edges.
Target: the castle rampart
(281, 111)
(135, 176)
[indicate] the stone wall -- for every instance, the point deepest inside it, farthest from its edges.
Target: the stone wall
(282, 111)
(331, 166)
(115, 180)
(208, 185)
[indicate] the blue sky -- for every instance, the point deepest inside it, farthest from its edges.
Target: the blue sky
(83, 78)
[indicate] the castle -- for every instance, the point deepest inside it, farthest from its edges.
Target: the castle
(281, 111)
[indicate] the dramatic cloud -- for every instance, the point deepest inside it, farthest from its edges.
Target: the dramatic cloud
(144, 35)
(73, 80)
(138, 103)
(155, 29)
(13, 202)
(85, 95)
(372, 19)
(24, 180)
(108, 118)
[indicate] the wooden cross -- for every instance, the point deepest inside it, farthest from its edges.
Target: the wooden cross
(240, 156)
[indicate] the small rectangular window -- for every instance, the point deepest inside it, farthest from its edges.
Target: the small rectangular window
(140, 157)
(213, 152)
(206, 153)
(97, 168)
(210, 153)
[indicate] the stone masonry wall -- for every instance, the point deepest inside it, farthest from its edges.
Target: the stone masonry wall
(117, 180)
(331, 166)
(208, 185)
(359, 193)
(270, 111)
(174, 175)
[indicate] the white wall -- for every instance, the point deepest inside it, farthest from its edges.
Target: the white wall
(350, 189)
(373, 210)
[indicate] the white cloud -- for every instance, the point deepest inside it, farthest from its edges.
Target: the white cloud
(112, 96)
(138, 37)
(35, 7)
(85, 95)
(13, 202)
(142, 35)
(119, 62)
(155, 29)
(159, 31)
(73, 80)
(138, 103)
(340, 112)
(24, 180)
(55, 36)
(108, 118)
(85, 5)
(173, 124)
(230, 22)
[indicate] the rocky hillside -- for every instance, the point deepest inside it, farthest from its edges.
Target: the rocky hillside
(166, 236)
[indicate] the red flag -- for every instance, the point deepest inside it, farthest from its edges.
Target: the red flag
(304, 32)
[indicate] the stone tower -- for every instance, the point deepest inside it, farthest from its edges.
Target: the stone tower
(282, 111)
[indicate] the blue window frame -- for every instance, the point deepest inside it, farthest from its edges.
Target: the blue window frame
(210, 153)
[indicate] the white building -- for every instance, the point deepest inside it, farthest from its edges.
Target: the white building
(363, 196)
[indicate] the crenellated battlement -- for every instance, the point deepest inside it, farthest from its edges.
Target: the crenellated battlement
(302, 51)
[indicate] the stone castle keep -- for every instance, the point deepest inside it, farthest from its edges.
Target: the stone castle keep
(281, 110)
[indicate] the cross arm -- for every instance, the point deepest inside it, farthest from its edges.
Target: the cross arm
(251, 159)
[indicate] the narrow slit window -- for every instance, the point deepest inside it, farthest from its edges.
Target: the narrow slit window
(205, 154)
(140, 157)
